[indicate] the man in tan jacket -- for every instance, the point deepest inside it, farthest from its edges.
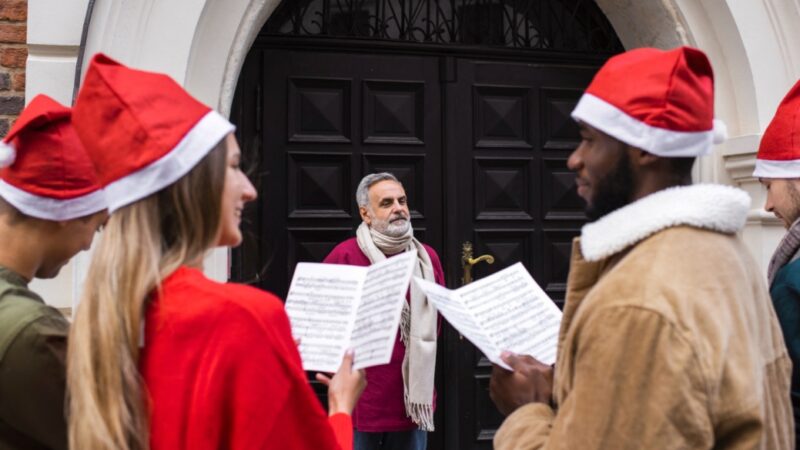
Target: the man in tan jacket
(669, 339)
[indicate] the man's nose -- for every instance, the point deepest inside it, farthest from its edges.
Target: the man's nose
(574, 162)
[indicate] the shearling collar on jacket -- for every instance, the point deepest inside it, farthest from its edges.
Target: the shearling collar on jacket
(708, 206)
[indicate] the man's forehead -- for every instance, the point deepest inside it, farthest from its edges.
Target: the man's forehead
(387, 188)
(586, 128)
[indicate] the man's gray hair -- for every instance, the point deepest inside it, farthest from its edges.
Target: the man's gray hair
(362, 193)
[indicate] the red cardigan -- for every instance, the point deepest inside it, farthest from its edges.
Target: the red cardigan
(222, 372)
(381, 407)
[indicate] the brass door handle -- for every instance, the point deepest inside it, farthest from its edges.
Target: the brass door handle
(467, 261)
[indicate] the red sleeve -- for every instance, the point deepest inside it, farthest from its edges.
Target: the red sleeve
(337, 256)
(269, 399)
(438, 272)
(342, 425)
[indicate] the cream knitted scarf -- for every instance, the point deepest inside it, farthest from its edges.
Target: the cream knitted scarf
(417, 323)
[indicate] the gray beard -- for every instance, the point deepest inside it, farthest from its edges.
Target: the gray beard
(393, 229)
(391, 245)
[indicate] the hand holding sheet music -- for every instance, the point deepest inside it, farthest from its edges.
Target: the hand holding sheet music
(504, 311)
(334, 307)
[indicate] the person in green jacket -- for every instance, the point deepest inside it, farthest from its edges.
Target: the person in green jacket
(51, 206)
(778, 169)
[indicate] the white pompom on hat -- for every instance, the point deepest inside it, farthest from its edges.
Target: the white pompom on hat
(7, 154)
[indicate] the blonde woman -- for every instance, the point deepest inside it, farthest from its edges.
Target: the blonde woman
(160, 356)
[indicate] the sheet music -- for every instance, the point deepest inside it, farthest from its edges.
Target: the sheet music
(508, 310)
(321, 305)
(334, 307)
(451, 307)
(378, 315)
(515, 313)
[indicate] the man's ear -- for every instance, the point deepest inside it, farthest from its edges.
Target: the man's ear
(362, 210)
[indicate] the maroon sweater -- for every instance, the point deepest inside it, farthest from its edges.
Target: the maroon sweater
(381, 406)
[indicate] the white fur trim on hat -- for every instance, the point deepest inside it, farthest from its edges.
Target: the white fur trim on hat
(777, 169)
(659, 141)
(53, 208)
(720, 131)
(7, 154)
(708, 206)
(203, 137)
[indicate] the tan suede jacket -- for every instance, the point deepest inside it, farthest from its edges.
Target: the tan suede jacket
(668, 343)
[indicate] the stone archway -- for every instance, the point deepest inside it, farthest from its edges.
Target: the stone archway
(226, 30)
(203, 44)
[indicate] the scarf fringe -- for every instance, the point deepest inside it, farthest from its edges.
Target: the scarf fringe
(422, 415)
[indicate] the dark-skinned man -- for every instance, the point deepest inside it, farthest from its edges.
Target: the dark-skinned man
(668, 339)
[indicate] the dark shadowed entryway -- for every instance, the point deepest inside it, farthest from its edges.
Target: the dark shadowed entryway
(466, 102)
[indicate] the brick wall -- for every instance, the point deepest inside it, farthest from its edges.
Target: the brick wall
(13, 52)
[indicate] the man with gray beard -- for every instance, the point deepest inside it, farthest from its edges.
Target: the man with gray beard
(395, 411)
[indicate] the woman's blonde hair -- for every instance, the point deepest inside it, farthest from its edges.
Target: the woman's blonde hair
(142, 244)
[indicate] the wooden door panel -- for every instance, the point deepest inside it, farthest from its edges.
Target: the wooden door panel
(501, 116)
(319, 110)
(318, 185)
(508, 246)
(312, 244)
(557, 249)
(501, 188)
(393, 112)
(558, 130)
(560, 198)
(518, 202)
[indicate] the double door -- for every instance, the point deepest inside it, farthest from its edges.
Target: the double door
(479, 145)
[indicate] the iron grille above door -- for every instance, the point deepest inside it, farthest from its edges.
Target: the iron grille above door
(566, 25)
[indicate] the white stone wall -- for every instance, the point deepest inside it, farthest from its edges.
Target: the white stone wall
(54, 37)
(753, 45)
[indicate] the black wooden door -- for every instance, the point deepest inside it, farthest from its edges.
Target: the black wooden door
(508, 133)
(313, 124)
(480, 147)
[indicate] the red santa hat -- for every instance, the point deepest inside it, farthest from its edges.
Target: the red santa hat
(659, 101)
(779, 152)
(44, 170)
(142, 130)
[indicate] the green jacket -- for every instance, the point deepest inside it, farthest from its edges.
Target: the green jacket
(33, 345)
(785, 292)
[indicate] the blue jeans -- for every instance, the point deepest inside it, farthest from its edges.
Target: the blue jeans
(392, 440)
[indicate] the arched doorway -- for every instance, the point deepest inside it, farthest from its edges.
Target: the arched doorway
(466, 101)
